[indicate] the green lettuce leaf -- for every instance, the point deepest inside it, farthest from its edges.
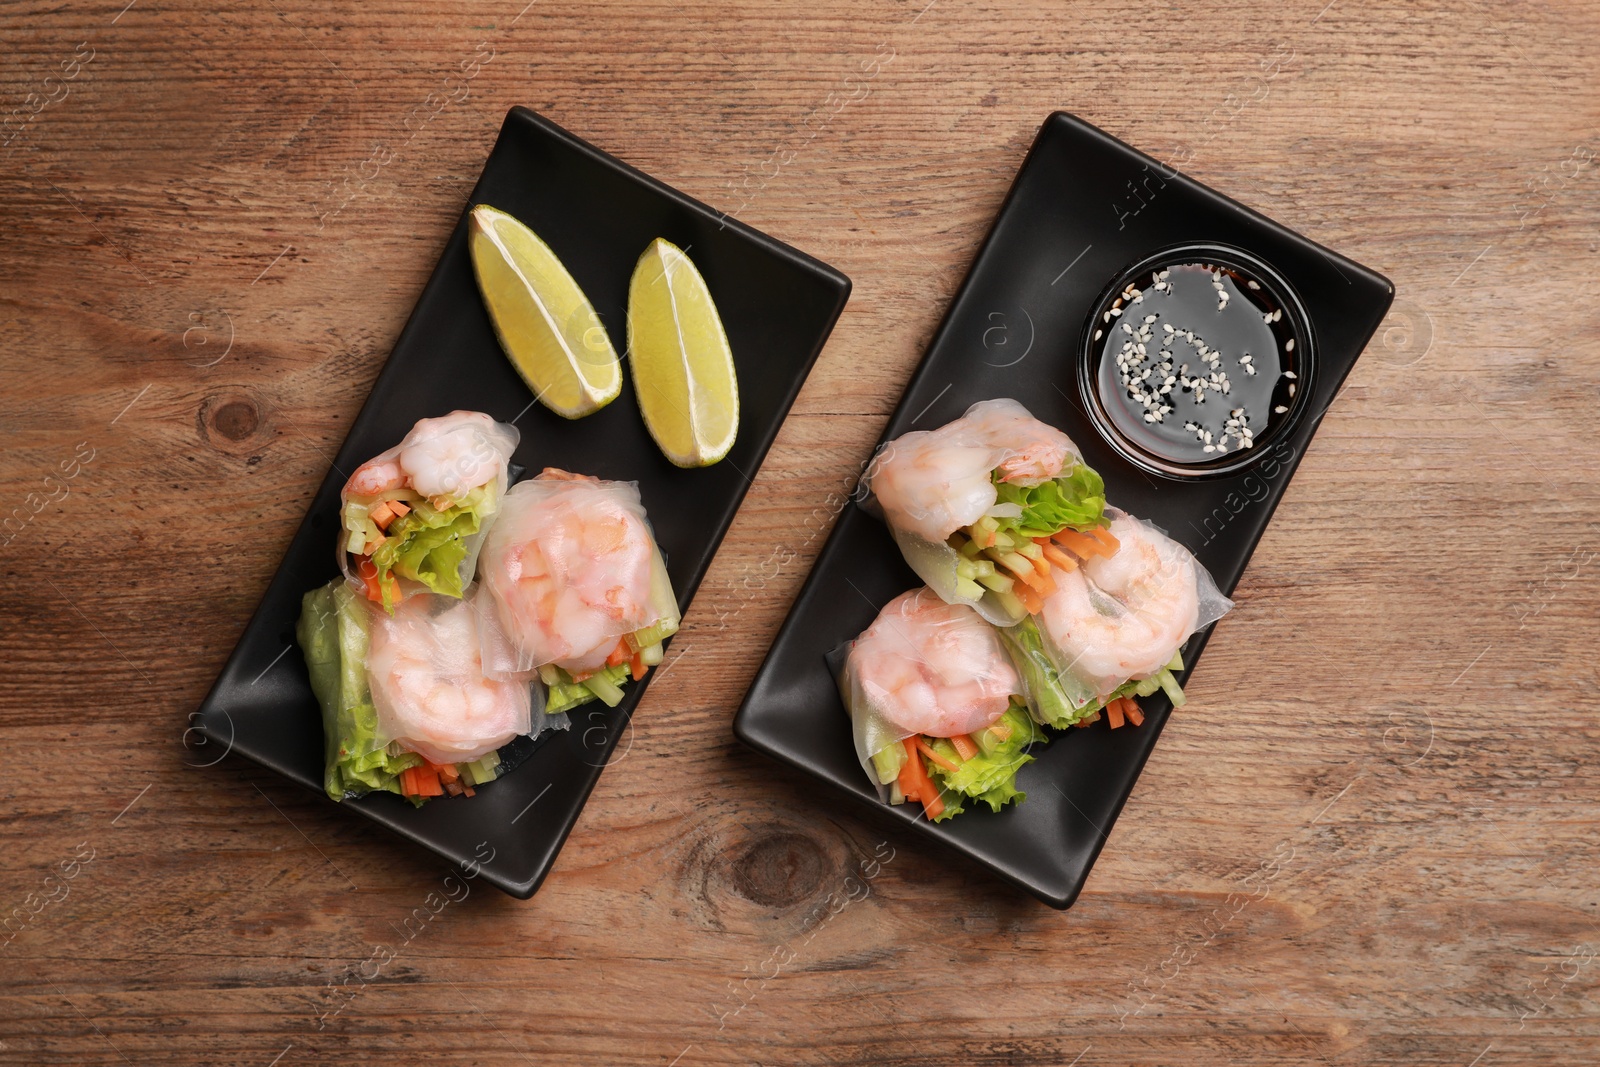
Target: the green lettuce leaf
(427, 545)
(1076, 499)
(1049, 699)
(991, 775)
(332, 632)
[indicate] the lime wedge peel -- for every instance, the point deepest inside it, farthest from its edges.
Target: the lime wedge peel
(546, 325)
(680, 360)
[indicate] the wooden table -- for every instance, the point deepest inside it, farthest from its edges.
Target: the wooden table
(1371, 838)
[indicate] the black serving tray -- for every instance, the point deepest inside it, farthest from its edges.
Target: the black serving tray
(598, 214)
(1084, 208)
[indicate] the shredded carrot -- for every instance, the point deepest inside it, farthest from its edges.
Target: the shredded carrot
(1114, 712)
(636, 666)
(446, 771)
(1001, 730)
(1131, 709)
(398, 508)
(381, 515)
(1047, 582)
(929, 751)
(914, 780)
(963, 745)
(1056, 556)
(1078, 544)
(1106, 538)
(367, 571)
(1042, 565)
(441, 503)
(1030, 599)
(421, 782)
(620, 654)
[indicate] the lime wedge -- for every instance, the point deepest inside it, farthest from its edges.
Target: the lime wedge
(548, 328)
(682, 365)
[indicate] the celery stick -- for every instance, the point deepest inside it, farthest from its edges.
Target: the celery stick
(982, 567)
(968, 590)
(651, 655)
(888, 761)
(1009, 603)
(552, 675)
(967, 547)
(603, 687)
(965, 569)
(1176, 663)
(1146, 686)
(1029, 549)
(998, 582)
(1174, 691)
(653, 634)
(895, 796)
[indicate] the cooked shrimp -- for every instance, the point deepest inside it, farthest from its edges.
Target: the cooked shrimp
(933, 668)
(374, 477)
(1033, 452)
(569, 566)
(429, 689)
(1122, 617)
(446, 458)
(934, 482)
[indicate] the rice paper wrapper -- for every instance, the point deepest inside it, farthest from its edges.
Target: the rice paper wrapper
(429, 689)
(935, 563)
(869, 729)
(464, 455)
(932, 664)
(932, 483)
(540, 602)
(1090, 668)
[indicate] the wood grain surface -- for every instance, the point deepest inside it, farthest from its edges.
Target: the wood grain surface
(1371, 837)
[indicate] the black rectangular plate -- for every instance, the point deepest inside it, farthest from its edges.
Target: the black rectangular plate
(598, 214)
(1067, 229)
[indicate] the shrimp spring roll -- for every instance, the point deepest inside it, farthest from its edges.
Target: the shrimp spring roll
(1125, 600)
(973, 504)
(414, 517)
(938, 711)
(405, 706)
(575, 588)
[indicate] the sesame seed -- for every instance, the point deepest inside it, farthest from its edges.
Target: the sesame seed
(1288, 346)
(1279, 410)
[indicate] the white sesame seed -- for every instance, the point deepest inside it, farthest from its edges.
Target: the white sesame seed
(1288, 346)
(1291, 389)
(1289, 374)
(1279, 410)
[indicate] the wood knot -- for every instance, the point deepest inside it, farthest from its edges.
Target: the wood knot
(237, 419)
(229, 421)
(780, 869)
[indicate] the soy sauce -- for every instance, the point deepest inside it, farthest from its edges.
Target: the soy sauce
(1195, 363)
